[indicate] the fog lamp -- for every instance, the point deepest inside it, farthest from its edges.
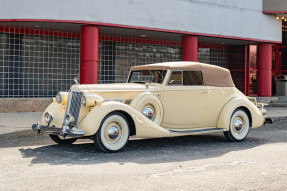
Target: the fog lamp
(48, 117)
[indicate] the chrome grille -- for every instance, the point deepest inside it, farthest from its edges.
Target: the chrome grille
(73, 105)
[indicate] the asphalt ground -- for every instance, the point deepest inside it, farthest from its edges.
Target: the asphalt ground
(199, 162)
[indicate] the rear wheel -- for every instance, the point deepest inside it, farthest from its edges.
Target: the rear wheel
(239, 126)
(113, 133)
(60, 141)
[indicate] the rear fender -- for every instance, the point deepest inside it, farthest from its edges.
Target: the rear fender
(257, 119)
(145, 128)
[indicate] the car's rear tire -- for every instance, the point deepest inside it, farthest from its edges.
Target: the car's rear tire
(113, 133)
(239, 126)
(60, 141)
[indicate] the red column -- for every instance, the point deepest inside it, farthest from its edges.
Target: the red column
(89, 54)
(264, 65)
(189, 48)
(246, 70)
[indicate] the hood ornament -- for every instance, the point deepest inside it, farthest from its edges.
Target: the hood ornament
(77, 79)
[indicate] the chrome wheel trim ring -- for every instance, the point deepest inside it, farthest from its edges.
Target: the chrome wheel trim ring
(113, 132)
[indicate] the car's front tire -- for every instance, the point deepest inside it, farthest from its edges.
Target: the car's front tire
(113, 133)
(239, 126)
(60, 141)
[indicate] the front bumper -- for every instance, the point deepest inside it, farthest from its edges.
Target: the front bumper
(268, 120)
(64, 132)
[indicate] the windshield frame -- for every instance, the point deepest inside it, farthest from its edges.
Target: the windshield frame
(163, 73)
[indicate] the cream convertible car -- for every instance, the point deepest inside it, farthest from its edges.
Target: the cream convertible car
(158, 100)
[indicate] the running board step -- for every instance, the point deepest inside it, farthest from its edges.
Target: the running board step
(195, 131)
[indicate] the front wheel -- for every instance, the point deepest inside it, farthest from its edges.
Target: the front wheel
(60, 141)
(113, 133)
(239, 126)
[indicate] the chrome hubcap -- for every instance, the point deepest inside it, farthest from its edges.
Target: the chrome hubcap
(113, 132)
(148, 111)
(238, 125)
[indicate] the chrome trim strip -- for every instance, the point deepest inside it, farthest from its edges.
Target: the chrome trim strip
(197, 130)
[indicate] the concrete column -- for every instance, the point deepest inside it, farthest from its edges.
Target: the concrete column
(89, 54)
(264, 65)
(189, 48)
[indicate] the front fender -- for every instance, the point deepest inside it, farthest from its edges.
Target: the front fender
(144, 127)
(57, 111)
(225, 115)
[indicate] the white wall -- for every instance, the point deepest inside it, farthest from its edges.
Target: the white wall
(235, 18)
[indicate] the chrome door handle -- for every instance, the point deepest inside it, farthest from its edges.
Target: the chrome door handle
(206, 92)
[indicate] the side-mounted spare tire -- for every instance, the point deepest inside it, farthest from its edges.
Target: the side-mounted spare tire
(150, 106)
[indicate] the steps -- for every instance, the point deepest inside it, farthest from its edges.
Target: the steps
(281, 102)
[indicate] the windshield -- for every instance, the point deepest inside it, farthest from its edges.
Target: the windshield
(143, 76)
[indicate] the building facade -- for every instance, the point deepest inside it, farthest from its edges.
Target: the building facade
(45, 44)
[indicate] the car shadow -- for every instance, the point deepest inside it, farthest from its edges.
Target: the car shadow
(146, 151)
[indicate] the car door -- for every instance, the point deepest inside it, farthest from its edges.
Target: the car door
(184, 101)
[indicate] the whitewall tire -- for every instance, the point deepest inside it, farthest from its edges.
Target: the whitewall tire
(239, 126)
(113, 133)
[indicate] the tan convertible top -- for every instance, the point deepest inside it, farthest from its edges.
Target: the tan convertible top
(212, 75)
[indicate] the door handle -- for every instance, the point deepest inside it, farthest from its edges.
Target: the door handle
(205, 92)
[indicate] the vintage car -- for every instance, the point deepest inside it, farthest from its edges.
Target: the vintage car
(158, 100)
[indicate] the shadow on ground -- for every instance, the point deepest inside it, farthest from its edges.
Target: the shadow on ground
(146, 151)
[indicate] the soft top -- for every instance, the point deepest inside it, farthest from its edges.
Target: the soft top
(212, 75)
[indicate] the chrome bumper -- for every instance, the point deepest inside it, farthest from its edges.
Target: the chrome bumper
(268, 120)
(64, 132)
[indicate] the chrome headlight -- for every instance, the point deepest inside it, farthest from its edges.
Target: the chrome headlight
(83, 100)
(48, 117)
(58, 98)
(69, 119)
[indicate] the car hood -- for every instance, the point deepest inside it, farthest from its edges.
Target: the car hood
(124, 87)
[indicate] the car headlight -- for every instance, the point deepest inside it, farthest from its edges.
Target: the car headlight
(58, 98)
(48, 117)
(91, 100)
(83, 100)
(69, 119)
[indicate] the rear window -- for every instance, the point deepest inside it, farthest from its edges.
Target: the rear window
(186, 78)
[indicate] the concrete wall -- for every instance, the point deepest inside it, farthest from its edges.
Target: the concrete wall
(24, 104)
(275, 5)
(233, 18)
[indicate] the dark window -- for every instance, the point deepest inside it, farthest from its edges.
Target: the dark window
(175, 78)
(192, 78)
(186, 78)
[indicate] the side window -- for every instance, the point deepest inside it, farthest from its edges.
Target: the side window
(192, 78)
(175, 78)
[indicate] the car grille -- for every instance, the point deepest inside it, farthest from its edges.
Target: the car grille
(73, 105)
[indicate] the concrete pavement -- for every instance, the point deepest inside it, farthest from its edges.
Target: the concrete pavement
(22, 121)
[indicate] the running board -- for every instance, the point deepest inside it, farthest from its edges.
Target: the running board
(196, 131)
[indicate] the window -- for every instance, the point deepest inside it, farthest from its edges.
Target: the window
(186, 78)
(143, 76)
(192, 78)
